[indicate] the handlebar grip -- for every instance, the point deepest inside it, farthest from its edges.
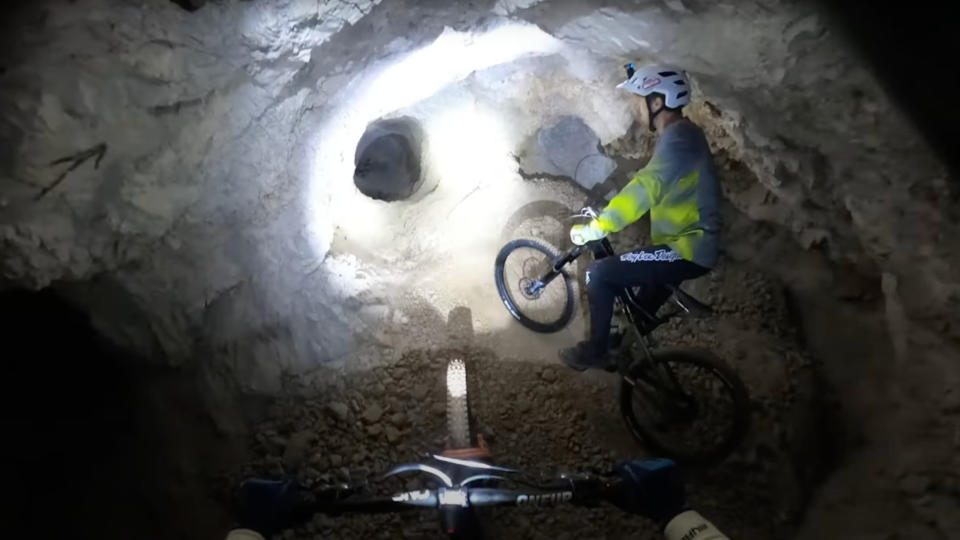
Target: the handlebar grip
(566, 491)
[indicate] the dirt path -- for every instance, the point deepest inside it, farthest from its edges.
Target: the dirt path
(543, 418)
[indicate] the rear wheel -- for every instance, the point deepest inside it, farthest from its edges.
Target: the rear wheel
(520, 268)
(687, 405)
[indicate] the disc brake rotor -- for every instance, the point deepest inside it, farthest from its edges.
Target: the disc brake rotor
(529, 290)
(530, 286)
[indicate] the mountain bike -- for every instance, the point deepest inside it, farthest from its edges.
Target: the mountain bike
(460, 480)
(684, 404)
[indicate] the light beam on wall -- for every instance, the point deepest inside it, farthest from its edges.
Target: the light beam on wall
(400, 82)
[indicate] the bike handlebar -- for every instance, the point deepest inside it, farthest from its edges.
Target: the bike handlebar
(576, 491)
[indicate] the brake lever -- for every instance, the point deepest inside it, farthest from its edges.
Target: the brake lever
(585, 213)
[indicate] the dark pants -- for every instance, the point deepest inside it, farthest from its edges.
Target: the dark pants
(649, 269)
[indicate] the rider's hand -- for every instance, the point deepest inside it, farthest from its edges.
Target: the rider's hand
(581, 234)
(268, 506)
(651, 488)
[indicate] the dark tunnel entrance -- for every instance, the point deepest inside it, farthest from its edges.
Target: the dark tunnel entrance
(68, 417)
(86, 444)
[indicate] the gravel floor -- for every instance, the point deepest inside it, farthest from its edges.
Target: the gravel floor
(545, 419)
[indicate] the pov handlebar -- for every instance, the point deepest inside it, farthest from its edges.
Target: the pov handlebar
(567, 490)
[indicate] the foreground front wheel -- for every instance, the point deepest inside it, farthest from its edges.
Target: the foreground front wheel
(687, 405)
(520, 268)
(458, 406)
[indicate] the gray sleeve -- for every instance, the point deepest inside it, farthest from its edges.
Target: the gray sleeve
(678, 151)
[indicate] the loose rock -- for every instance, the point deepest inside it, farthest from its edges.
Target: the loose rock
(296, 450)
(914, 484)
(420, 391)
(338, 411)
(319, 461)
(372, 414)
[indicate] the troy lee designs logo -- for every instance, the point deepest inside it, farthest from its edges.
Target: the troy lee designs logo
(694, 532)
(544, 499)
(660, 255)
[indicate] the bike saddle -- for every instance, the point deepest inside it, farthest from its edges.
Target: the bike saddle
(690, 304)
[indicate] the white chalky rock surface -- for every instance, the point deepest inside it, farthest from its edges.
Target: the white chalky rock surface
(221, 228)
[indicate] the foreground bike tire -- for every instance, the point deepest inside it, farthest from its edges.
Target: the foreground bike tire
(458, 406)
(730, 426)
(566, 311)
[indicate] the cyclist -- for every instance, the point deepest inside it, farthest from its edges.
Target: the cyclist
(680, 190)
(650, 488)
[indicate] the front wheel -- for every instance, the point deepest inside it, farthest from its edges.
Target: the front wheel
(522, 272)
(687, 405)
(458, 406)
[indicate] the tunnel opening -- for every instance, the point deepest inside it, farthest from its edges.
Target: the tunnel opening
(190, 5)
(388, 162)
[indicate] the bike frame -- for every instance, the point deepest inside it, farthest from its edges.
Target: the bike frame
(642, 323)
(639, 318)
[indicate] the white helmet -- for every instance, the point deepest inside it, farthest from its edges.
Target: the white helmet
(669, 81)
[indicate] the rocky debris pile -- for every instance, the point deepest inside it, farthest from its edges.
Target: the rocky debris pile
(546, 419)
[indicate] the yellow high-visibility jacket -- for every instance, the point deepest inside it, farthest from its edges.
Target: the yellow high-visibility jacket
(680, 189)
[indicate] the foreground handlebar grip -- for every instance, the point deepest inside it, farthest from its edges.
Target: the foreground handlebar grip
(690, 524)
(566, 491)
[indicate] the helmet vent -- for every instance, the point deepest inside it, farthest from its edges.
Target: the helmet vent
(667, 73)
(679, 82)
(681, 94)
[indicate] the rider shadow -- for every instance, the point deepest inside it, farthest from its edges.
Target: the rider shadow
(460, 325)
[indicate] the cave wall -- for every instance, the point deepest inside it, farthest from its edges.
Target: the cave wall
(203, 219)
(195, 202)
(834, 161)
(202, 234)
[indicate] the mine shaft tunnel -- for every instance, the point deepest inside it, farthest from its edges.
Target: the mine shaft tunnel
(239, 238)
